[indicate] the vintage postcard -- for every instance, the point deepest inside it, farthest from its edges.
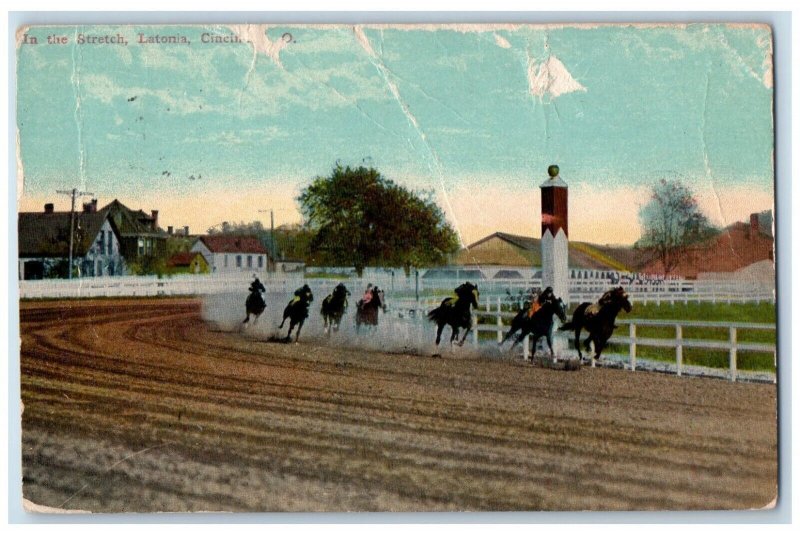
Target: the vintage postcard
(432, 267)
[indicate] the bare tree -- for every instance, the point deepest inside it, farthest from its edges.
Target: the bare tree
(671, 223)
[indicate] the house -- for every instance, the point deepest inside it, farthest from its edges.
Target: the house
(188, 262)
(140, 235)
(44, 243)
(739, 245)
(232, 254)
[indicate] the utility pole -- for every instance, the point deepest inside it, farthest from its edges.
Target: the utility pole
(271, 232)
(73, 193)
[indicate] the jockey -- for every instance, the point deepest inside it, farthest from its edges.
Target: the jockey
(367, 295)
(536, 303)
(256, 286)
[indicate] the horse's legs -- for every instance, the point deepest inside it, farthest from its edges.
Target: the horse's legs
(439, 330)
(297, 334)
(535, 342)
(282, 322)
(246, 317)
(508, 335)
(578, 341)
(463, 338)
(599, 345)
(289, 334)
(454, 335)
(549, 337)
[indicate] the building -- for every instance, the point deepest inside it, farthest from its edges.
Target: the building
(233, 254)
(44, 242)
(739, 245)
(140, 235)
(188, 262)
(502, 251)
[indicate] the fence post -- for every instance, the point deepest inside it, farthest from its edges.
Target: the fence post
(679, 348)
(475, 333)
(499, 322)
(526, 348)
(733, 353)
(633, 346)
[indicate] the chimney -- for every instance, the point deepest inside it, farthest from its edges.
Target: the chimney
(48, 208)
(169, 230)
(186, 230)
(90, 207)
(154, 216)
(754, 226)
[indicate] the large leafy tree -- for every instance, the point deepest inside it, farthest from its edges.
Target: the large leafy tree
(360, 218)
(671, 223)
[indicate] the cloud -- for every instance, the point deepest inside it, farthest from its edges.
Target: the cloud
(551, 77)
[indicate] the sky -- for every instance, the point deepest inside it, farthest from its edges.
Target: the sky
(212, 132)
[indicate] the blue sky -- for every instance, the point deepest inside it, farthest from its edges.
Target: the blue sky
(213, 132)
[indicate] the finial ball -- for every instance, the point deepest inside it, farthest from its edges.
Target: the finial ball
(552, 171)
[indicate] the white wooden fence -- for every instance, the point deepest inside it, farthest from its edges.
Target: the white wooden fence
(396, 286)
(492, 310)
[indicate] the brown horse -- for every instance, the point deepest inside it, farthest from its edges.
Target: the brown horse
(367, 313)
(598, 319)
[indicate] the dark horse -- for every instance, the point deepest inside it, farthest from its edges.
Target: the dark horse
(297, 311)
(255, 303)
(333, 308)
(540, 323)
(367, 313)
(598, 319)
(456, 312)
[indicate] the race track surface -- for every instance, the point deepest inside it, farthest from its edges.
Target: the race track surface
(139, 405)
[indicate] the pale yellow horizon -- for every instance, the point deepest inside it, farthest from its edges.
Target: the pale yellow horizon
(600, 216)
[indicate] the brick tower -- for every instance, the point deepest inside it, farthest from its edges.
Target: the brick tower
(555, 268)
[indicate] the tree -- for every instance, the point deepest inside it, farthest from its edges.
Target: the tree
(671, 223)
(289, 241)
(360, 218)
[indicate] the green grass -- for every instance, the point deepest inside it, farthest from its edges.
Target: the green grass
(327, 276)
(715, 312)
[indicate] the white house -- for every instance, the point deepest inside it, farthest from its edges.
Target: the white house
(44, 241)
(233, 254)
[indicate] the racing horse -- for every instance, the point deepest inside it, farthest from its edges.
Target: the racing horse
(255, 304)
(456, 312)
(540, 322)
(297, 311)
(333, 308)
(367, 313)
(598, 319)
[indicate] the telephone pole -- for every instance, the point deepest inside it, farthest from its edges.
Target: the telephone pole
(73, 193)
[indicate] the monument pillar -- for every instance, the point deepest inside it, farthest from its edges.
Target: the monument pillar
(555, 233)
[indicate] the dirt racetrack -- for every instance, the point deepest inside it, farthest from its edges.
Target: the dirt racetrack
(139, 405)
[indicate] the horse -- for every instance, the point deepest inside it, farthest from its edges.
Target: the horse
(333, 308)
(255, 304)
(598, 319)
(540, 323)
(367, 313)
(297, 311)
(456, 312)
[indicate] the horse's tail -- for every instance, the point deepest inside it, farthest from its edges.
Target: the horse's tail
(577, 319)
(435, 315)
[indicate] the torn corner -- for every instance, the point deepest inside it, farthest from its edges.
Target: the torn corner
(20, 34)
(31, 507)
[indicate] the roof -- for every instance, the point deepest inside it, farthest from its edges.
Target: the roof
(182, 259)
(233, 244)
(46, 235)
(524, 242)
(132, 222)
